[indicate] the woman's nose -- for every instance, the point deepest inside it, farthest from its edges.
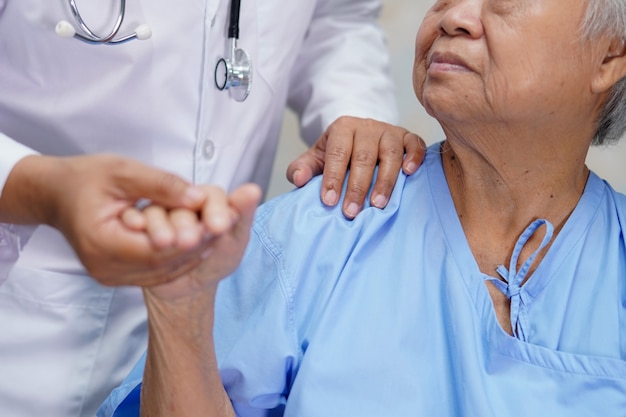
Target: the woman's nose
(462, 18)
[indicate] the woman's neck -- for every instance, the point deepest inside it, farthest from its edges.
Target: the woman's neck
(500, 185)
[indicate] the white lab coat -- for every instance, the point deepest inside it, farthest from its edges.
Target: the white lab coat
(65, 341)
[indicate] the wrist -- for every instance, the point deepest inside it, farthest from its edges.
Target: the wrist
(188, 319)
(28, 194)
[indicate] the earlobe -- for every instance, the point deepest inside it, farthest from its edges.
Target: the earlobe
(612, 69)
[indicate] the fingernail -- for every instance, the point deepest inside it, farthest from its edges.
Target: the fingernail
(220, 221)
(330, 198)
(380, 201)
(352, 210)
(296, 179)
(411, 167)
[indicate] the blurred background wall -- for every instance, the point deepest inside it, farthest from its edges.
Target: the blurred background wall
(400, 19)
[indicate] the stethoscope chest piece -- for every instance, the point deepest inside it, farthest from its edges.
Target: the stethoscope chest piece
(234, 74)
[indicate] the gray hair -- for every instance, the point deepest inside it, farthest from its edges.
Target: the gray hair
(602, 17)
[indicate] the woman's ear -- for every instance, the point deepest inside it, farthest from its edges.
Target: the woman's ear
(613, 67)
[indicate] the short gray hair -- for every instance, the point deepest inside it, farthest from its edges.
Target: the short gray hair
(602, 17)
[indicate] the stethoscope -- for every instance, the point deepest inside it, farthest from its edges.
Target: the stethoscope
(66, 30)
(233, 73)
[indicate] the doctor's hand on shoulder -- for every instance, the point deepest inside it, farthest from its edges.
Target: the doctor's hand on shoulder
(359, 145)
(84, 197)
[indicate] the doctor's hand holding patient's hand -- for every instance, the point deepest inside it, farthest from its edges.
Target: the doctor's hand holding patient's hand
(226, 220)
(361, 145)
(84, 198)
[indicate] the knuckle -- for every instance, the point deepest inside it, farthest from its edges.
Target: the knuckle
(385, 184)
(413, 139)
(337, 154)
(370, 123)
(394, 151)
(121, 168)
(363, 158)
(342, 120)
(115, 164)
(332, 180)
(358, 187)
(357, 190)
(343, 123)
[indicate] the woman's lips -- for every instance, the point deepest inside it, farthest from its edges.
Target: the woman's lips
(447, 62)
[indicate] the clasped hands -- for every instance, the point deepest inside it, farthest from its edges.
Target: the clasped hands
(210, 239)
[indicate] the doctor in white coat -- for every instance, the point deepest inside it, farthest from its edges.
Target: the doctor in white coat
(88, 130)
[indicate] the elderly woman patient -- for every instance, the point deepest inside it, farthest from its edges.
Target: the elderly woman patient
(493, 284)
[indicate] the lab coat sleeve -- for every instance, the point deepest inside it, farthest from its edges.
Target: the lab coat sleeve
(343, 68)
(10, 154)
(12, 237)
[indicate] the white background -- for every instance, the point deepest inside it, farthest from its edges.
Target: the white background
(400, 20)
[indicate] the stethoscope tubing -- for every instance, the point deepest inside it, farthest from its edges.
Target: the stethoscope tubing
(92, 36)
(85, 34)
(233, 24)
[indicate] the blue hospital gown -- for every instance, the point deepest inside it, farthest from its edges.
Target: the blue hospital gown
(389, 315)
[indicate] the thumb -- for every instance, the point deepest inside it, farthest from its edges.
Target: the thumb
(306, 166)
(139, 181)
(245, 200)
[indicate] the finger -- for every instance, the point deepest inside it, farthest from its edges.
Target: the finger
(188, 228)
(163, 188)
(309, 164)
(390, 160)
(159, 228)
(415, 150)
(223, 252)
(362, 166)
(133, 219)
(245, 200)
(216, 214)
(339, 145)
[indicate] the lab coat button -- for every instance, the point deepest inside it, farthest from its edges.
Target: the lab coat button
(208, 149)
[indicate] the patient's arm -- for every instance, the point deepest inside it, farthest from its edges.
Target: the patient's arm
(181, 376)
